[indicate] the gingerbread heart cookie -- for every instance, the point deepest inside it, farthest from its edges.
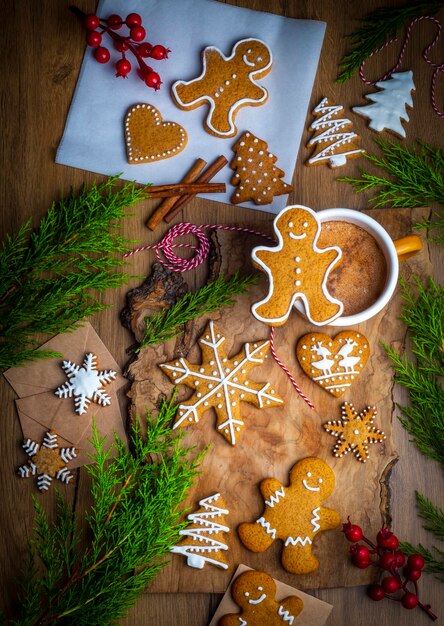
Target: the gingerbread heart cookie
(333, 363)
(148, 138)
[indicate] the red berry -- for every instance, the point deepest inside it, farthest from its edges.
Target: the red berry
(390, 584)
(387, 560)
(120, 46)
(376, 593)
(115, 21)
(159, 52)
(145, 49)
(152, 79)
(123, 67)
(386, 539)
(93, 39)
(392, 543)
(360, 563)
(409, 600)
(91, 21)
(415, 561)
(101, 54)
(352, 532)
(414, 574)
(399, 559)
(133, 19)
(360, 552)
(137, 33)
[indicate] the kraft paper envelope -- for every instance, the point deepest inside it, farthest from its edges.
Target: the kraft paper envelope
(314, 613)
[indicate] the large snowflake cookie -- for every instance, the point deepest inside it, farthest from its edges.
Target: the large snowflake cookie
(294, 515)
(47, 460)
(221, 383)
(85, 383)
(226, 84)
(255, 593)
(203, 540)
(333, 363)
(297, 270)
(354, 432)
(333, 139)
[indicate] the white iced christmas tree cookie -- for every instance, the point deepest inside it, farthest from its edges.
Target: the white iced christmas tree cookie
(389, 106)
(203, 540)
(85, 383)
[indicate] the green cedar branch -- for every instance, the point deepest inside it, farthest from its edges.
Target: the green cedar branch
(52, 278)
(214, 296)
(134, 520)
(378, 28)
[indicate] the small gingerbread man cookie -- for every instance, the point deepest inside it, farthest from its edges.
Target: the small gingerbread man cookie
(297, 270)
(255, 593)
(294, 514)
(226, 84)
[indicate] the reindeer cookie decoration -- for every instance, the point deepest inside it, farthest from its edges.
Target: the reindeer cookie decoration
(333, 364)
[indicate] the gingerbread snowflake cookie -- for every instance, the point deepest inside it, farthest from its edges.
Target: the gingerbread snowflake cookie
(354, 432)
(47, 460)
(256, 177)
(297, 270)
(221, 383)
(85, 383)
(294, 514)
(203, 540)
(333, 363)
(255, 593)
(226, 84)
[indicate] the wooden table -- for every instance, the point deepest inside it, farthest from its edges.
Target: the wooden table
(42, 52)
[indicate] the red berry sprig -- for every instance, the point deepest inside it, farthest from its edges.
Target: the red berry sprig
(132, 42)
(386, 556)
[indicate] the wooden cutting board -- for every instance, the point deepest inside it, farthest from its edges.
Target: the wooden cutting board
(277, 437)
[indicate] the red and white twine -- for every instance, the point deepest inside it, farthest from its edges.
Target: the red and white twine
(438, 67)
(176, 263)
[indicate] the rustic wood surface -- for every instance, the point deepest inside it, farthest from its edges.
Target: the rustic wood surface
(42, 52)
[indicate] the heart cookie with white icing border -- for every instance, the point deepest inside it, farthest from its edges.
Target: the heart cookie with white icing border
(148, 138)
(333, 363)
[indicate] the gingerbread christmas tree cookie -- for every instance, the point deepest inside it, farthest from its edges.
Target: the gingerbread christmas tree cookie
(226, 84)
(221, 383)
(203, 540)
(294, 514)
(256, 176)
(297, 270)
(354, 432)
(255, 593)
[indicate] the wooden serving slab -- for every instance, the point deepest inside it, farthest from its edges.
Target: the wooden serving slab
(276, 438)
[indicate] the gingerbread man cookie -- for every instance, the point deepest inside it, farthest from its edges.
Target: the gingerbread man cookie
(294, 514)
(297, 270)
(226, 84)
(255, 593)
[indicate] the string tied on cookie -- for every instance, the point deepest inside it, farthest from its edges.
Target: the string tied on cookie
(438, 67)
(165, 254)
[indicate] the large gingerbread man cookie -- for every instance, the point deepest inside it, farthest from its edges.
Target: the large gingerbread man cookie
(226, 84)
(297, 270)
(294, 514)
(255, 593)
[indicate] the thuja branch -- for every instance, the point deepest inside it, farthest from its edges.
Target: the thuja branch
(379, 27)
(133, 521)
(212, 297)
(52, 277)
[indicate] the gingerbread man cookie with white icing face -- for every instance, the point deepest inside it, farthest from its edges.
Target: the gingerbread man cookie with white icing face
(255, 593)
(294, 514)
(297, 270)
(226, 84)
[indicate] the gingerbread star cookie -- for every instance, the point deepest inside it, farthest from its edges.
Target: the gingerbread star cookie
(221, 383)
(226, 84)
(294, 514)
(354, 432)
(333, 363)
(255, 593)
(297, 270)
(150, 139)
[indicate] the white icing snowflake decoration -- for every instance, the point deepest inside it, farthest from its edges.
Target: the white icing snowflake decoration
(85, 383)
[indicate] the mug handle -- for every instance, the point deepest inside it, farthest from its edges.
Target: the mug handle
(407, 246)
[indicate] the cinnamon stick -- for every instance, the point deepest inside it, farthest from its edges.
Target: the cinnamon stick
(205, 177)
(185, 189)
(168, 203)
